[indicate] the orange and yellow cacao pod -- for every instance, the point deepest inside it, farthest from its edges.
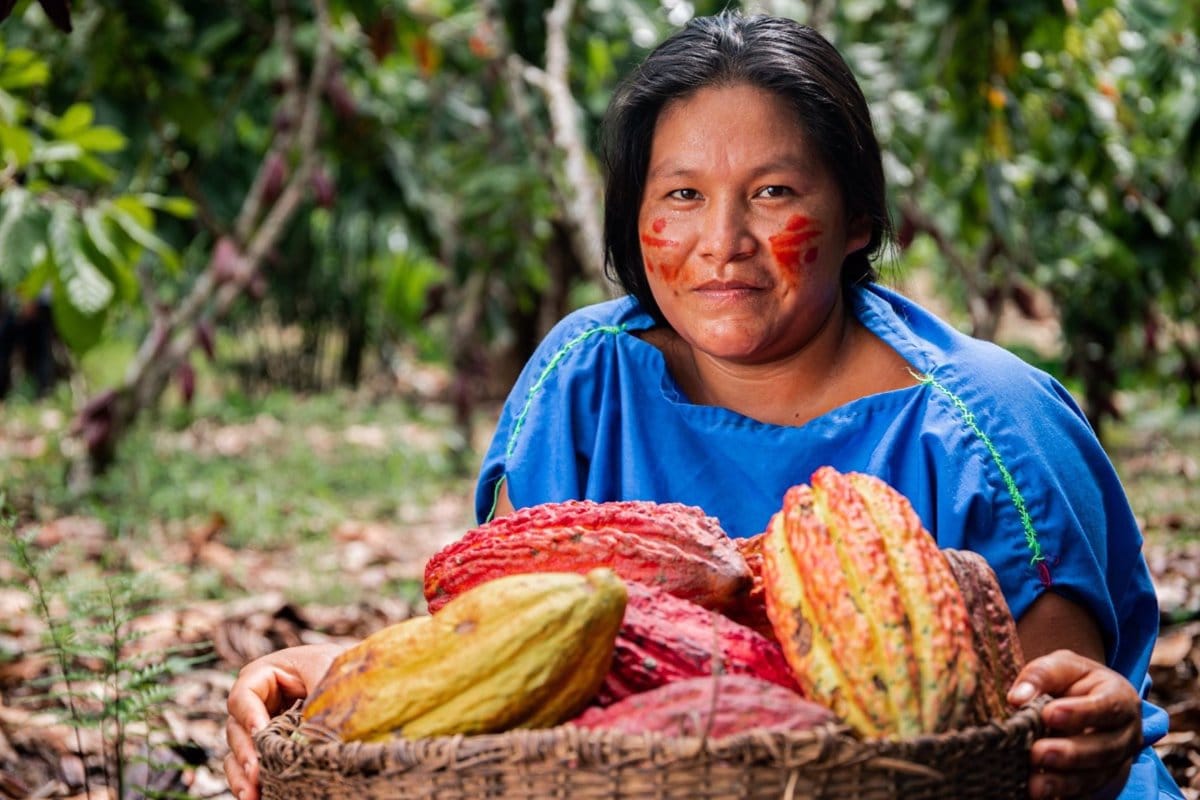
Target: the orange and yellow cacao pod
(521, 651)
(866, 608)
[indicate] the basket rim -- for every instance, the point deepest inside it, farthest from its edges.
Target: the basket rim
(832, 745)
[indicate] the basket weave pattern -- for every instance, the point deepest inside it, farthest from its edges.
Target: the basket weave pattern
(989, 761)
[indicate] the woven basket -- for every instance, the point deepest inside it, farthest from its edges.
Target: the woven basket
(989, 761)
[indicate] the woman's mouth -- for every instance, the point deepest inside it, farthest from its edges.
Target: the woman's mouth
(727, 287)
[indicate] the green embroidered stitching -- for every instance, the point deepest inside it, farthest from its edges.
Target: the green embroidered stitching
(519, 422)
(550, 367)
(1031, 537)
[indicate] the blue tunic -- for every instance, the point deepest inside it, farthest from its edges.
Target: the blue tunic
(994, 455)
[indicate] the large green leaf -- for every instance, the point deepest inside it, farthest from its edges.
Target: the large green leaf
(86, 286)
(81, 292)
(136, 219)
(23, 232)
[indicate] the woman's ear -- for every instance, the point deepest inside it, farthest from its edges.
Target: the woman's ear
(858, 233)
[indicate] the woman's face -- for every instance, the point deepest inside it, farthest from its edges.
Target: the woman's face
(743, 228)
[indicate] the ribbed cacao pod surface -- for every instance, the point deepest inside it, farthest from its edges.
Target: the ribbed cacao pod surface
(997, 645)
(687, 707)
(664, 638)
(675, 547)
(520, 651)
(866, 608)
(750, 609)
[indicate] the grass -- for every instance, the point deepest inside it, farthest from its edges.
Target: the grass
(1156, 450)
(283, 471)
(280, 473)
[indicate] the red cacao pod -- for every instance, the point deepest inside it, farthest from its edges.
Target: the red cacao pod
(664, 638)
(674, 547)
(751, 608)
(688, 708)
(226, 263)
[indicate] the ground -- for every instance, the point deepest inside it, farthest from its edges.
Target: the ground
(230, 514)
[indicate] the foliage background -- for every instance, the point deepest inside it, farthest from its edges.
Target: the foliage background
(1041, 156)
(254, 398)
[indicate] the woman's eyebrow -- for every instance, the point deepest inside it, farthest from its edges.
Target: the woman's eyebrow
(678, 170)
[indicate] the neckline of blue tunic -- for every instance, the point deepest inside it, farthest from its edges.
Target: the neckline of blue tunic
(873, 306)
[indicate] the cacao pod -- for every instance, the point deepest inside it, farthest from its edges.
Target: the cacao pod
(669, 545)
(664, 638)
(997, 645)
(522, 651)
(687, 708)
(866, 609)
(751, 608)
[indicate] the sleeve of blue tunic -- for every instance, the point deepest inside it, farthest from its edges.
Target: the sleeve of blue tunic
(1049, 515)
(543, 436)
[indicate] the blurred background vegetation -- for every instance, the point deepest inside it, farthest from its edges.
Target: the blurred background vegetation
(267, 267)
(307, 194)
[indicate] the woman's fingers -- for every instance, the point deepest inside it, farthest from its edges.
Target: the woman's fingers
(1093, 726)
(265, 687)
(1089, 784)
(1098, 750)
(243, 783)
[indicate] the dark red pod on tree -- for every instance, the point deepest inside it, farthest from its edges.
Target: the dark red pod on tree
(670, 546)
(664, 638)
(688, 708)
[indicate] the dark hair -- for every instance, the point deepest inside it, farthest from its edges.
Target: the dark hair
(771, 53)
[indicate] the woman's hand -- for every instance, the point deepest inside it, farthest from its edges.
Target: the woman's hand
(1093, 726)
(265, 687)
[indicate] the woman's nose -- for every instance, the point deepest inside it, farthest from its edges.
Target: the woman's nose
(727, 235)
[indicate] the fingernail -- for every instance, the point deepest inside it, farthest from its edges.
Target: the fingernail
(1052, 759)
(1023, 692)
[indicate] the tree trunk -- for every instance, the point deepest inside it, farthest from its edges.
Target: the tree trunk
(233, 271)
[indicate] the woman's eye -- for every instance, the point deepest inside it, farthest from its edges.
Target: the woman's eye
(684, 194)
(775, 191)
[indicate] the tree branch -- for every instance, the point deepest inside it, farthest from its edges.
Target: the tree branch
(104, 418)
(977, 306)
(578, 186)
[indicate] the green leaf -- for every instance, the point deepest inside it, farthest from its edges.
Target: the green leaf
(181, 207)
(138, 223)
(12, 109)
(87, 288)
(96, 169)
(57, 152)
(217, 36)
(21, 69)
(101, 139)
(80, 331)
(16, 145)
(22, 235)
(74, 120)
(119, 269)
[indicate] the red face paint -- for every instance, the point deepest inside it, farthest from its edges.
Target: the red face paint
(669, 269)
(791, 246)
(657, 241)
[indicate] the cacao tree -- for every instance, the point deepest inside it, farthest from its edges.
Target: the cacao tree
(70, 225)
(1044, 146)
(444, 201)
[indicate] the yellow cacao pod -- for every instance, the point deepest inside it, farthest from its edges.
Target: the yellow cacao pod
(521, 651)
(866, 609)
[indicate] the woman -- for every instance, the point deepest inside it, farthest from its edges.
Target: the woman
(745, 201)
